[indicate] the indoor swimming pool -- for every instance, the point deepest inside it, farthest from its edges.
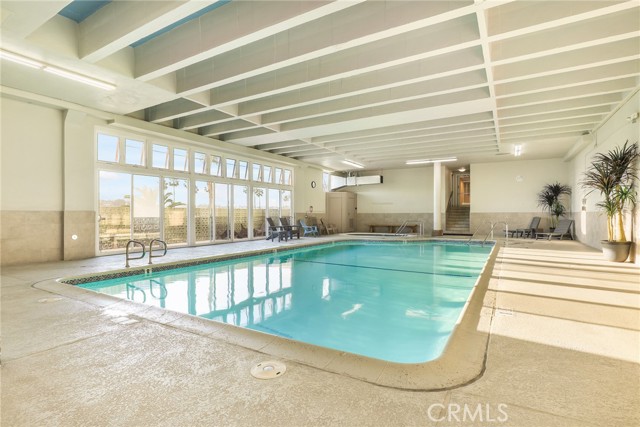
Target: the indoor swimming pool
(393, 301)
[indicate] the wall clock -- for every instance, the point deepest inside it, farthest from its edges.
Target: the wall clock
(313, 184)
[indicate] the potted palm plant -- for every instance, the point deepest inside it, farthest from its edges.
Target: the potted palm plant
(548, 200)
(613, 175)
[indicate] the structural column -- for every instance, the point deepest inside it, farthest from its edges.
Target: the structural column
(437, 199)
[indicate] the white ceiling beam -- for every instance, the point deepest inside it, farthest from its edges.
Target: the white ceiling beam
(364, 121)
(232, 26)
(592, 56)
(406, 108)
(568, 79)
(573, 92)
(333, 38)
(513, 20)
(21, 18)
(122, 23)
(441, 123)
(416, 139)
(395, 95)
(570, 104)
(451, 64)
(554, 115)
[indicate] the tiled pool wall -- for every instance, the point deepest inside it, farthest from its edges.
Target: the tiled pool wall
(138, 270)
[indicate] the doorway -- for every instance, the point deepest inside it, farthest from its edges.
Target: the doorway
(463, 189)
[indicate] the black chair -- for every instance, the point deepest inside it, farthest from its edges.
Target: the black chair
(286, 225)
(530, 230)
(276, 231)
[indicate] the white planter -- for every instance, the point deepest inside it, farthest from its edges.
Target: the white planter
(616, 251)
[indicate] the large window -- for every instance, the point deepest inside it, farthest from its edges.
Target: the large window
(150, 189)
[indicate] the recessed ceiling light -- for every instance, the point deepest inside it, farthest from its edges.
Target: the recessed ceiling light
(517, 150)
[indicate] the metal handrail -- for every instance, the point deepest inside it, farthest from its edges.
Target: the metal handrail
(402, 226)
(164, 247)
(493, 225)
(490, 233)
(127, 258)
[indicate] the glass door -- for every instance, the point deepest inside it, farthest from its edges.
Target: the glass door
(240, 212)
(176, 203)
(221, 210)
(258, 214)
(204, 211)
(114, 210)
(273, 201)
(146, 208)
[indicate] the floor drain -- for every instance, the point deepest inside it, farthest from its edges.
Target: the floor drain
(268, 370)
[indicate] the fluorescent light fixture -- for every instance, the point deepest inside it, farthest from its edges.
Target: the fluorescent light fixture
(352, 163)
(28, 62)
(79, 78)
(424, 161)
(19, 59)
(517, 150)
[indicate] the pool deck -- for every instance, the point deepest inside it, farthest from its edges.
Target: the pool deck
(563, 350)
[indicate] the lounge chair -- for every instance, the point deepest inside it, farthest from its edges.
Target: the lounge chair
(562, 229)
(286, 225)
(529, 231)
(276, 231)
(328, 228)
(309, 229)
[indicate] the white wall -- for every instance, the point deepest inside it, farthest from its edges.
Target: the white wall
(513, 186)
(305, 195)
(402, 191)
(591, 222)
(32, 152)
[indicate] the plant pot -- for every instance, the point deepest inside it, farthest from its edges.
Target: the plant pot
(616, 251)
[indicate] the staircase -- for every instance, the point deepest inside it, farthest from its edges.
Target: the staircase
(458, 221)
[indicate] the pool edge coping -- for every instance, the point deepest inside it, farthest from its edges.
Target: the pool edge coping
(462, 361)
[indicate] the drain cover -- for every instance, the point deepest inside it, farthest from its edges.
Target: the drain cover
(268, 370)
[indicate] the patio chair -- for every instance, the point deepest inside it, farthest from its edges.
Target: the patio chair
(562, 229)
(309, 229)
(530, 230)
(286, 225)
(275, 231)
(328, 228)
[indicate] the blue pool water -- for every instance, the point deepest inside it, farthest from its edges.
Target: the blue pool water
(387, 300)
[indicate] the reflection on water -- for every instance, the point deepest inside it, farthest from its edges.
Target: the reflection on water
(393, 302)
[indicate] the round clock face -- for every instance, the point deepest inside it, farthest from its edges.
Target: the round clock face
(313, 184)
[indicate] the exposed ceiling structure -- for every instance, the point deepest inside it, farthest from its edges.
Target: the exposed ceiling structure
(375, 82)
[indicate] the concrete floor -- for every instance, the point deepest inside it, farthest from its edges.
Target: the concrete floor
(564, 350)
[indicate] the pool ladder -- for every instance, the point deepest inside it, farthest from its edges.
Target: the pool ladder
(133, 243)
(406, 222)
(490, 233)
